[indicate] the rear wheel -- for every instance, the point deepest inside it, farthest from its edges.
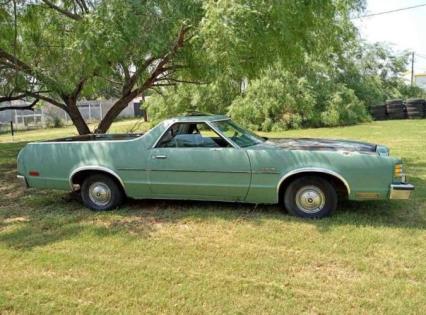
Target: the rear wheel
(100, 193)
(310, 197)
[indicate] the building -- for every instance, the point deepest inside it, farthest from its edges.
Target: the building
(420, 80)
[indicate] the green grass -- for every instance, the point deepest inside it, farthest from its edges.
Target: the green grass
(192, 257)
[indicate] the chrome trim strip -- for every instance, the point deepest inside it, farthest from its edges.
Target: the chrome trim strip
(94, 168)
(221, 119)
(131, 169)
(314, 170)
(162, 134)
(200, 171)
(232, 143)
(266, 172)
(154, 146)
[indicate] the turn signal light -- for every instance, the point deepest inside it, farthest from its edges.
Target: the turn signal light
(398, 170)
(34, 173)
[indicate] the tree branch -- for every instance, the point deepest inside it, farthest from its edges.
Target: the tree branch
(164, 84)
(25, 107)
(129, 85)
(181, 81)
(12, 98)
(79, 87)
(83, 5)
(71, 15)
(15, 63)
(129, 93)
(47, 99)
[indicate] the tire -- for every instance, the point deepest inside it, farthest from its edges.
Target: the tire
(101, 193)
(304, 193)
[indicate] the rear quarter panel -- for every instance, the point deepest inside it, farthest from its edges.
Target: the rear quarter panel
(56, 161)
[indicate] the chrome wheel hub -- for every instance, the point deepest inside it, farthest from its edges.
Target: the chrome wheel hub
(310, 199)
(100, 193)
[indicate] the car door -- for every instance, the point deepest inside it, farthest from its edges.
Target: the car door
(188, 164)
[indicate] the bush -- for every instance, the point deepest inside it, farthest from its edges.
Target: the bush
(344, 108)
(277, 100)
(55, 122)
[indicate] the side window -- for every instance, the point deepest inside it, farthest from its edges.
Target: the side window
(191, 135)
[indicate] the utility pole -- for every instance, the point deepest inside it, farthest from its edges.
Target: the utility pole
(412, 68)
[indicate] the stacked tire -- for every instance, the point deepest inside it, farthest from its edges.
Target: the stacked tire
(415, 108)
(379, 112)
(396, 109)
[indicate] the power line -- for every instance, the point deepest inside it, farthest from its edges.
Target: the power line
(391, 11)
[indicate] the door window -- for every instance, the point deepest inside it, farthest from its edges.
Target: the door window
(191, 135)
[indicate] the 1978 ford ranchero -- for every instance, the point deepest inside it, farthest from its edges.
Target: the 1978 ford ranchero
(209, 157)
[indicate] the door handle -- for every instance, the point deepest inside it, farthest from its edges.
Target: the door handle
(160, 157)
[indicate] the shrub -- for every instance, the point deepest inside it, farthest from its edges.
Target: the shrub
(55, 122)
(275, 101)
(344, 108)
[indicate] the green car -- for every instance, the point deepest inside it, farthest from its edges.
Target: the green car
(209, 157)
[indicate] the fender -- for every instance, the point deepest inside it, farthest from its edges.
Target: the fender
(314, 170)
(94, 168)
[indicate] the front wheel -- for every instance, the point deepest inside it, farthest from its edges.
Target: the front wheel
(100, 193)
(310, 197)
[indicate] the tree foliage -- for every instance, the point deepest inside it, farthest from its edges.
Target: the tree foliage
(63, 51)
(318, 92)
(302, 59)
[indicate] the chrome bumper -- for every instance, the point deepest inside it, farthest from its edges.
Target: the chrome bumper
(22, 180)
(400, 191)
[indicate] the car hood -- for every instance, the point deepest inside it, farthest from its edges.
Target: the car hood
(323, 145)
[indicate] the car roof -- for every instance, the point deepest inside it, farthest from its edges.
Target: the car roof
(198, 118)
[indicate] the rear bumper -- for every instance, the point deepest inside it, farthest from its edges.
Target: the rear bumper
(23, 181)
(400, 191)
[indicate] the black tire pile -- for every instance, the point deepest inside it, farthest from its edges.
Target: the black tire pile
(416, 108)
(398, 109)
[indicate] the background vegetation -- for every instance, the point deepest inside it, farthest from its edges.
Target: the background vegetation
(271, 65)
(312, 93)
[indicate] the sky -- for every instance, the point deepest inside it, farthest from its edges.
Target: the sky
(403, 30)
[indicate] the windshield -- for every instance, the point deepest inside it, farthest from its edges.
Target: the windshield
(239, 135)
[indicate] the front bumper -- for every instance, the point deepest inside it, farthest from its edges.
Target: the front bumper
(22, 180)
(400, 191)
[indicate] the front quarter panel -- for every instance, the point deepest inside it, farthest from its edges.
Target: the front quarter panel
(362, 172)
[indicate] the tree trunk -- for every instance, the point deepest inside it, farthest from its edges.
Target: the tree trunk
(114, 111)
(76, 117)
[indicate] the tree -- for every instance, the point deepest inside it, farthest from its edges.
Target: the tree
(63, 51)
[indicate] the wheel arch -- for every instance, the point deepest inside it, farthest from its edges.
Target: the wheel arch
(342, 185)
(79, 174)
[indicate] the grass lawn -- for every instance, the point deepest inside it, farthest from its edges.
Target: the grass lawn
(193, 257)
